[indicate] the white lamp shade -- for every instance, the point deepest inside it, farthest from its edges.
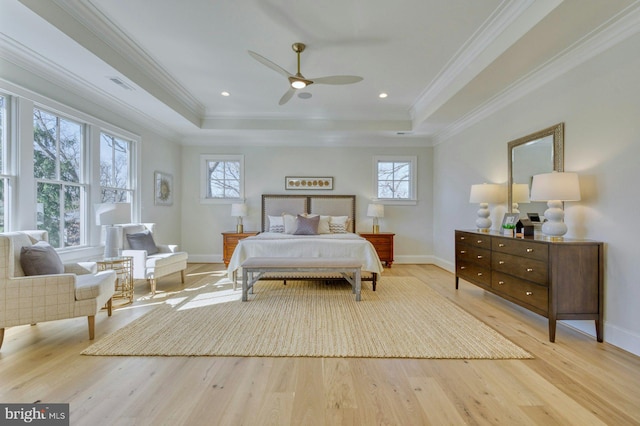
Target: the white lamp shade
(112, 213)
(520, 193)
(485, 193)
(239, 210)
(555, 186)
(375, 210)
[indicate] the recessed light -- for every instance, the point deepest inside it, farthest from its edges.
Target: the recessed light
(382, 95)
(225, 93)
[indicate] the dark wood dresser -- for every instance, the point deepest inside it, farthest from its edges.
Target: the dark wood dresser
(559, 280)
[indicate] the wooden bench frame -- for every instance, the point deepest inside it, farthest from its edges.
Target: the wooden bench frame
(254, 268)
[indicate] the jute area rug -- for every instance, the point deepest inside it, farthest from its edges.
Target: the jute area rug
(403, 318)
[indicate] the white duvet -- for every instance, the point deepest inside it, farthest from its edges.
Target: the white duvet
(271, 244)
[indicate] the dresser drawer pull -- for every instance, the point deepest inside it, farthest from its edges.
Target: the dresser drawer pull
(500, 245)
(479, 256)
(462, 238)
(479, 274)
(529, 293)
(463, 251)
(463, 267)
(479, 241)
(529, 269)
(529, 250)
(501, 262)
(500, 282)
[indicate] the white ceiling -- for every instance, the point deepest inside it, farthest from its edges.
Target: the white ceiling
(443, 63)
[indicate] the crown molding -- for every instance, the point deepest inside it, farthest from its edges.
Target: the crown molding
(36, 64)
(617, 29)
(488, 42)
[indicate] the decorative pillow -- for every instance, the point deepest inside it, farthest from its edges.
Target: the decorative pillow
(142, 241)
(276, 224)
(307, 225)
(338, 224)
(323, 226)
(290, 224)
(40, 259)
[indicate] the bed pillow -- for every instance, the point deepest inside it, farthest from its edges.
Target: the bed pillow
(323, 225)
(276, 224)
(307, 225)
(142, 241)
(290, 224)
(338, 224)
(40, 259)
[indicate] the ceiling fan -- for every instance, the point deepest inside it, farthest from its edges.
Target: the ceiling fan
(298, 81)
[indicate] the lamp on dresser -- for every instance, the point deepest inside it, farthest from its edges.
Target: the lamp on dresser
(239, 210)
(108, 215)
(555, 187)
(375, 211)
(519, 194)
(484, 194)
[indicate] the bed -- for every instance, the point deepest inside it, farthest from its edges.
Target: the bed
(337, 237)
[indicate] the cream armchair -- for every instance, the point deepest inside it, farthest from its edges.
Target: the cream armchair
(79, 291)
(150, 259)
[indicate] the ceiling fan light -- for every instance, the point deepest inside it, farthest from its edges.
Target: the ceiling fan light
(298, 84)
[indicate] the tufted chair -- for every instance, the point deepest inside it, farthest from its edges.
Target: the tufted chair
(79, 291)
(150, 267)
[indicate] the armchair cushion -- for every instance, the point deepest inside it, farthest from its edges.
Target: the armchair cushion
(142, 241)
(40, 259)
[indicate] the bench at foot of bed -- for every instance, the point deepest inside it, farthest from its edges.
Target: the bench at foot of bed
(255, 267)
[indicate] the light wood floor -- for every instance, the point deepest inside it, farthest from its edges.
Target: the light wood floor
(575, 381)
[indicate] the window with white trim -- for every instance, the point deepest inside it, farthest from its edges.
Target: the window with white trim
(115, 169)
(4, 177)
(222, 178)
(58, 153)
(395, 178)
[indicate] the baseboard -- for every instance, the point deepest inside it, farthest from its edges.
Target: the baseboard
(415, 260)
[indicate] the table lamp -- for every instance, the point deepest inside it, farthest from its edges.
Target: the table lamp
(375, 211)
(108, 215)
(555, 188)
(484, 194)
(239, 210)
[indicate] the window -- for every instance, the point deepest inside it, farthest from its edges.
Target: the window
(222, 178)
(57, 169)
(115, 169)
(395, 178)
(4, 178)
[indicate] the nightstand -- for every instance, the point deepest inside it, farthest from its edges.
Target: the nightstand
(383, 243)
(230, 241)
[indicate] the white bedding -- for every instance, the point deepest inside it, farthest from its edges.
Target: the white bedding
(271, 244)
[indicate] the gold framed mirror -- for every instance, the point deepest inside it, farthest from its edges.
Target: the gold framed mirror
(539, 152)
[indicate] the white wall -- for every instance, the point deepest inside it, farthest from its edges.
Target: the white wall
(265, 170)
(599, 101)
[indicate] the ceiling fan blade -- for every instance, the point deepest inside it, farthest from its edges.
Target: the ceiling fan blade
(287, 95)
(269, 64)
(337, 79)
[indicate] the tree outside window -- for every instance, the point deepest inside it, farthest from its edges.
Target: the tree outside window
(395, 178)
(57, 168)
(115, 168)
(222, 178)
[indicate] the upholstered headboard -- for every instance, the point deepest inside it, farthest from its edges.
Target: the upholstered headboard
(330, 205)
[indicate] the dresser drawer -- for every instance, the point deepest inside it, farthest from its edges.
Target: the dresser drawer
(475, 255)
(524, 291)
(477, 240)
(524, 248)
(473, 273)
(527, 269)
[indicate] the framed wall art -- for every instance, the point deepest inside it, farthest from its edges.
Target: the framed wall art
(308, 182)
(163, 189)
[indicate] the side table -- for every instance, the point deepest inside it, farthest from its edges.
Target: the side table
(383, 243)
(123, 266)
(230, 241)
